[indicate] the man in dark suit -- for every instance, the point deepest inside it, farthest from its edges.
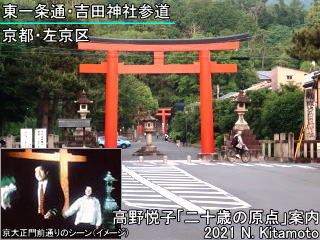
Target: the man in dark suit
(48, 198)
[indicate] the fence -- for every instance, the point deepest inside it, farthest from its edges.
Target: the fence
(283, 148)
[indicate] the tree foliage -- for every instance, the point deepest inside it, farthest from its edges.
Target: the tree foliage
(306, 42)
(41, 80)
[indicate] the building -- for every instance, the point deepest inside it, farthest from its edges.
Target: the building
(287, 76)
(274, 79)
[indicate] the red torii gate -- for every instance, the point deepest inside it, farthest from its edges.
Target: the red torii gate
(112, 67)
(164, 112)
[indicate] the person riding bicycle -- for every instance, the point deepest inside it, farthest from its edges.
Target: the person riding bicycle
(238, 144)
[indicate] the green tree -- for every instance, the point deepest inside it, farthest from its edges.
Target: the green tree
(17, 102)
(306, 42)
(255, 107)
(283, 113)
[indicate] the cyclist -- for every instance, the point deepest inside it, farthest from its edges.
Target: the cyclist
(238, 144)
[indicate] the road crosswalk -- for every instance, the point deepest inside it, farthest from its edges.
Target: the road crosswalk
(226, 164)
(169, 187)
(154, 184)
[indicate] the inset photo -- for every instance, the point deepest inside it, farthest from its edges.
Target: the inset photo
(60, 193)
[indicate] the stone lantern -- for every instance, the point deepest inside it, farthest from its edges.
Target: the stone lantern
(149, 124)
(83, 102)
(83, 134)
(248, 136)
(149, 127)
(241, 109)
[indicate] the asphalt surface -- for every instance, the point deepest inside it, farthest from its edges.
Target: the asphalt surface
(167, 148)
(218, 188)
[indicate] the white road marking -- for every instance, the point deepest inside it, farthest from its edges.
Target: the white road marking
(245, 164)
(147, 191)
(187, 188)
(196, 192)
(302, 166)
(147, 200)
(133, 184)
(199, 162)
(176, 180)
(178, 185)
(134, 187)
(280, 165)
(190, 164)
(226, 164)
(263, 165)
(139, 195)
(148, 205)
(163, 177)
(207, 164)
(206, 197)
(243, 203)
(180, 201)
(172, 163)
(214, 202)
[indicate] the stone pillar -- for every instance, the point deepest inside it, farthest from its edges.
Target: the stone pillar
(276, 149)
(283, 147)
(305, 150)
(51, 141)
(9, 141)
(290, 145)
(149, 139)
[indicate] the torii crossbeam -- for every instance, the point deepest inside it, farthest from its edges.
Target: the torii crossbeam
(205, 67)
(63, 157)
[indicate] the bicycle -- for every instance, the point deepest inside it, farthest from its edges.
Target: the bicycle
(231, 155)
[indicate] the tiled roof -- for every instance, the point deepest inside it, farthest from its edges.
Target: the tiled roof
(83, 98)
(264, 75)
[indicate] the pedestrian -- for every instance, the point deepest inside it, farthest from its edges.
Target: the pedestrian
(183, 140)
(178, 140)
(2, 143)
(166, 137)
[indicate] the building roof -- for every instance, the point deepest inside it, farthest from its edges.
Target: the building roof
(264, 75)
(256, 86)
(293, 69)
(229, 95)
(260, 85)
(310, 79)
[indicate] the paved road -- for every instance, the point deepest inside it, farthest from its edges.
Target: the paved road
(168, 148)
(217, 187)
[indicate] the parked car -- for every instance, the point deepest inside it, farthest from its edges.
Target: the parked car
(121, 143)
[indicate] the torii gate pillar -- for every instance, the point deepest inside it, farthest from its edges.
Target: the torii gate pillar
(206, 111)
(111, 104)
